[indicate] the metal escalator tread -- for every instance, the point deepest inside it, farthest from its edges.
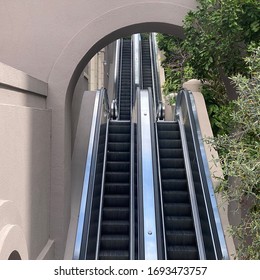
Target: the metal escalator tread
(182, 252)
(125, 88)
(117, 188)
(146, 64)
(175, 222)
(121, 241)
(114, 255)
(179, 226)
(181, 237)
(114, 200)
(116, 213)
(118, 166)
(115, 223)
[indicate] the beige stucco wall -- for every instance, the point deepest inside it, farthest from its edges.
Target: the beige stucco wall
(35, 33)
(25, 139)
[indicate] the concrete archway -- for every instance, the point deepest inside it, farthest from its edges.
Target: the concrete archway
(123, 19)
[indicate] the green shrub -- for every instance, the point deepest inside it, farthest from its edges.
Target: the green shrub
(240, 158)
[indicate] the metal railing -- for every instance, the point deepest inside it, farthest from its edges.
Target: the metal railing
(211, 228)
(155, 71)
(117, 68)
(191, 187)
(150, 247)
(91, 188)
(136, 69)
(102, 195)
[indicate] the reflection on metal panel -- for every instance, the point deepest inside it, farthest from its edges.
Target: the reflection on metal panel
(79, 235)
(150, 239)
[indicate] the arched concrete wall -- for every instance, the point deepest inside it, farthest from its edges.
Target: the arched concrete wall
(35, 33)
(53, 41)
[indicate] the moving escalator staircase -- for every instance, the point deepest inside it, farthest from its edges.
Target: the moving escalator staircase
(125, 89)
(179, 226)
(146, 63)
(115, 224)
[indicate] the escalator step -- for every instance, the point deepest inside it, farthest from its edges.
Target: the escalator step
(177, 209)
(114, 242)
(118, 124)
(175, 184)
(114, 255)
(162, 134)
(125, 116)
(181, 237)
(172, 163)
(118, 166)
(118, 147)
(164, 126)
(126, 97)
(173, 173)
(117, 177)
(116, 200)
(125, 94)
(115, 227)
(125, 113)
(125, 89)
(177, 222)
(182, 253)
(117, 188)
(118, 156)
(116, 213)
(170, 153)
(179, 226)
(170, 144)
(176, 197)
(118, 137)
(123, 129)
(125, 105)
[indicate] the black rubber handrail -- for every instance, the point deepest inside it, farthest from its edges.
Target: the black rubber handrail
(117, 69)
(155, 71)
(192, 193)
(214, 240)
(119, 75)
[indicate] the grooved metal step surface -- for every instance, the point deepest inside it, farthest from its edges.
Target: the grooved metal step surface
(115, 223)
(146, 63)
(180, 236)
(125, 85)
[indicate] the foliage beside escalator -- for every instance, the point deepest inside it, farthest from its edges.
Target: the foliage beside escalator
(239, 154)
(217, 36)
(176, 67)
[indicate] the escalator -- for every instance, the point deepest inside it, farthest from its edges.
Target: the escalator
(180, 235)
(115, 229)
(146, 63)
(153, 199)
(125, 83)
(179, 226)
(115, 224)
